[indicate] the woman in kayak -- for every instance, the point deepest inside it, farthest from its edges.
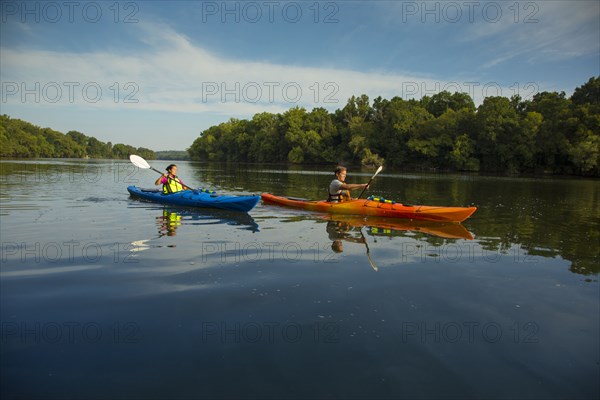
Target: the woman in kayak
(339, 190)
(171, 183)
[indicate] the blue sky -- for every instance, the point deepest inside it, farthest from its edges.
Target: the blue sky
(157, 73)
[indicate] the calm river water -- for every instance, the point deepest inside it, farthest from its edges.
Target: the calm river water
(104, 296)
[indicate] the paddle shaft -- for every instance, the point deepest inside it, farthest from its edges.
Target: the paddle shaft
(180, 181)
(370, 180)
(152, 168)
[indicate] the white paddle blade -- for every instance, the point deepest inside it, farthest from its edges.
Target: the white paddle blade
(139, 162)
(378, 171)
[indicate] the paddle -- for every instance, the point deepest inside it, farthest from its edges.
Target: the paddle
(371, 180)
(141, 163)
(368, 251)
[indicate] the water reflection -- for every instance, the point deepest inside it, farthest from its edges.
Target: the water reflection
(340, 231)
(172, 218)
(168, 223)
(349, 229)
(388, 227)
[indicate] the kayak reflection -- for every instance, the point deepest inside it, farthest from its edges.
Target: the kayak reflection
(347, 228)
(386, 226)
(174, 217)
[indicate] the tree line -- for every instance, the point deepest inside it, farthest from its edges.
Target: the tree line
(21, 139)
(172, 155)
(549, 133)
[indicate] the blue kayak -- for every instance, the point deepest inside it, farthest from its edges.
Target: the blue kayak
(196, 198)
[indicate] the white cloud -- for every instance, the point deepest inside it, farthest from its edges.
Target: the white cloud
(172, 74)
(540, 31)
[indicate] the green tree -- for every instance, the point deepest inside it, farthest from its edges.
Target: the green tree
(267, 139)
(589, 93)
(584, 149)
(433, 141)
(206, 147)
(498, 127)
(98, 149)
(549, 132)
(291, 124)
(123, 150)
(403, 119)
(444, 101)
(145, 153)
(552, 141)
(321, 121)
(78, 138)
(21, 139)
(64, 146)
(462, 154)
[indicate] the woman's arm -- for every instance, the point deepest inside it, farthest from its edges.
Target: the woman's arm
(159, 180)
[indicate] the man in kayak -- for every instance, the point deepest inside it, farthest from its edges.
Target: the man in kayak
(171, 183)
(339, 189)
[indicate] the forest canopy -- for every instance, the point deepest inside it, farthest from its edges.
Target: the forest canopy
(21, 139)
(549, 133)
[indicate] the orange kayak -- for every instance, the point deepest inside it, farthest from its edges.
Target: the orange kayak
(375, 208)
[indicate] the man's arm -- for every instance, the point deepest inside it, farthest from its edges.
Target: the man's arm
(353, 186)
